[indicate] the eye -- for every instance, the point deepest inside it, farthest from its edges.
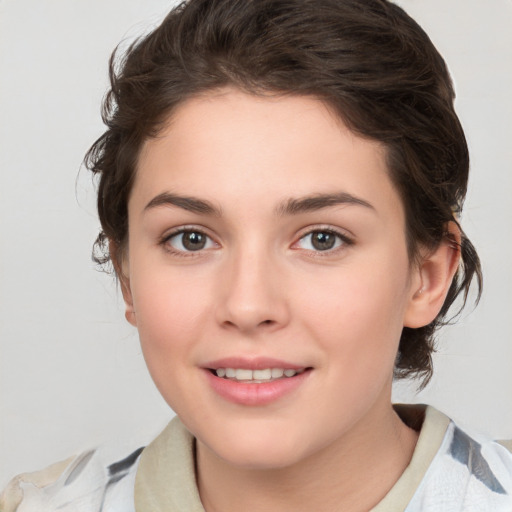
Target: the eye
(323, 240)
(189, 240)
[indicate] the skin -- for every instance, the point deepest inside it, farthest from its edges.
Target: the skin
(259, 287)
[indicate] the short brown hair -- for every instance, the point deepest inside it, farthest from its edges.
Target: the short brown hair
(366, 59)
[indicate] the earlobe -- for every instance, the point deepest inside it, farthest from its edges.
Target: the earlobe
(433, 279)
(121, 268)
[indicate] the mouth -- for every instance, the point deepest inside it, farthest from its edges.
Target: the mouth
(255, 382)
(259, 376)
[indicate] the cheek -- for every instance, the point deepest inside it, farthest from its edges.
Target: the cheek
(170, 319)
(357, 312)
(170, 311)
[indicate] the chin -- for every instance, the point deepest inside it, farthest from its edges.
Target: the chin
(258, 450)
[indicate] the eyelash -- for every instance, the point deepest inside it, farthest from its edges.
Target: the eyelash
(343, 239)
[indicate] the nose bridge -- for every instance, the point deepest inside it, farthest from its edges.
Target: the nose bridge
(252, 295)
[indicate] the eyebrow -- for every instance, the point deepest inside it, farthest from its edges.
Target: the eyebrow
(292, 206)
(315, 202)
(191, 204)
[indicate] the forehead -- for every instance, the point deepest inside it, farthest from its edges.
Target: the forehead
(231, 146)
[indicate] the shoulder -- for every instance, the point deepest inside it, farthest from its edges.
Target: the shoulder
(451, 468)
(468, 468)
(88, 482)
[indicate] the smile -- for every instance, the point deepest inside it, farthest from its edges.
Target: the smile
(269, 382)
(256, 376)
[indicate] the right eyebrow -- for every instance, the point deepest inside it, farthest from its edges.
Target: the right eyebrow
(189, 203)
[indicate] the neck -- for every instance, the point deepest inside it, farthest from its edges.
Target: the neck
(352, 474)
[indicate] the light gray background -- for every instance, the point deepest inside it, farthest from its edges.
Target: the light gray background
(72, 374)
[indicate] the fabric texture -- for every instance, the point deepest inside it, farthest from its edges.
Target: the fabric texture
(87, 483)
(450, 471)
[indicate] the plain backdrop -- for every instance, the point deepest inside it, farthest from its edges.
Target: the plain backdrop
(71, 372)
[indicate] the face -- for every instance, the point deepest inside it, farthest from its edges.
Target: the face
(267, 274)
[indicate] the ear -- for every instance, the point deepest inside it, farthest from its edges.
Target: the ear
(432, 279)
(121, 266)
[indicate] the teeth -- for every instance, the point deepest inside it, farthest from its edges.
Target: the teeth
(243, 374)
(262, 374)
(267, 374)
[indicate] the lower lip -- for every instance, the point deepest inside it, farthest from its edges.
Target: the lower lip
(262, 393)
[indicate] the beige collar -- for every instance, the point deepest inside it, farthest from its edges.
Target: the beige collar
(165, 480)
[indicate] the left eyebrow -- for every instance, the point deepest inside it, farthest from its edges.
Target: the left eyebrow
(305, 204)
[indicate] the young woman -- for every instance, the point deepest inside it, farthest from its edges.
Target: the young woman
(280, 187)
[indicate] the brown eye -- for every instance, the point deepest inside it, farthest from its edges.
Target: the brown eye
(189, 241)
(322, 240)
(193, 241)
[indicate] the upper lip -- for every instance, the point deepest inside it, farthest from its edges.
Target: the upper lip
(257, 363)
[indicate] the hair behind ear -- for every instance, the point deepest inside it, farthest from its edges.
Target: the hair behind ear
(469, 269)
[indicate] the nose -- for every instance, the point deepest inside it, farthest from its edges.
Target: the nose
(253, 294)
